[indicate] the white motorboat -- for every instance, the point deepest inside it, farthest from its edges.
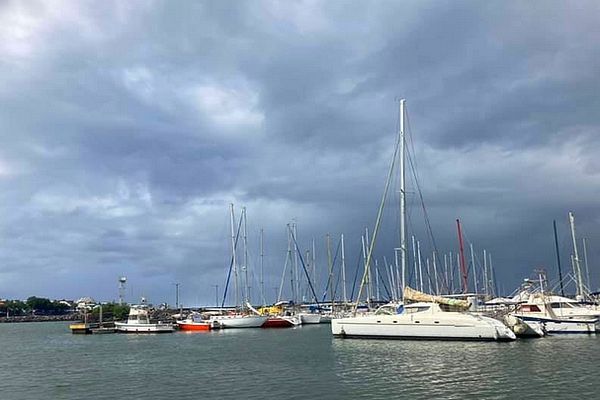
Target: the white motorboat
(423, 320)
(537, 310)
(139, 322)
(564, 307)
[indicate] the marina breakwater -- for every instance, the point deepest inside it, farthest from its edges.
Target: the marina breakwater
(40, 318)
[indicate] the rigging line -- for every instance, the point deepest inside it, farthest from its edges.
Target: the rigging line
(237, 236)
(384, 285)
(304, 268)
(337, 250)
(377, 223)
(359, 257)
(414, 168)
(425, 213)
(422, 201)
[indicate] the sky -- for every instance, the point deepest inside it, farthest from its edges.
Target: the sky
(128, 128)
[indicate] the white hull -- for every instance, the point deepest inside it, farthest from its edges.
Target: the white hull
(456, 326)
(556, 326)
(143, 328)
(310, 318)
(239, 321)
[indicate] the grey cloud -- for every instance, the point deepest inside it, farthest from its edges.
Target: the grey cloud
(125, 132)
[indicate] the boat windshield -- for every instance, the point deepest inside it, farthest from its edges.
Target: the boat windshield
(386, 310)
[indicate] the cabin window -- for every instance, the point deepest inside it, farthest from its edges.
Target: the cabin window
(561, 305)
(450, 308)
(412, 310)
(530, 308)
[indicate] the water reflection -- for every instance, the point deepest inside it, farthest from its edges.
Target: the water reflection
(440, 369)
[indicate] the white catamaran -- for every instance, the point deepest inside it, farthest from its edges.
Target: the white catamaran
(432, 317)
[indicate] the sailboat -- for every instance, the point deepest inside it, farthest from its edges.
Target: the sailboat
(430, 317)
(433, 317)
(248, 317)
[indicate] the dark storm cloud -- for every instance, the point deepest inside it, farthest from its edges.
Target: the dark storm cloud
(127, 129)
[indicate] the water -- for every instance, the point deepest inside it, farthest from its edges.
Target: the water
(45, 361)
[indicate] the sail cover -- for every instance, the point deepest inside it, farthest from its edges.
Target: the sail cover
(415, 295)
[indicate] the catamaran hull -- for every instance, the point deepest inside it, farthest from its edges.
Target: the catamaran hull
(421, 330)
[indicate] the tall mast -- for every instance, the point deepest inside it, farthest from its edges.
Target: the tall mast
(446, 273)
(398, 280)
(288, 259)
(428, 275)
(233, 256)
(296, 274)
(314, 266)
(344, 272)
(585, 260)
(485, 271)
(420, 265)
(414, 250)
(289, 250)
(402, 193)
(493, 287)
(576, 256)
(458, 273)
(451, 266)
(370, 275)
(393, 283)
(377, 224)
(437, 286)
(366, 280)
(377, 280)
(560, 277)
(330, 267)
(473, 265)
(262, 267)
(398, 283)
(463, 267)
(246, 285)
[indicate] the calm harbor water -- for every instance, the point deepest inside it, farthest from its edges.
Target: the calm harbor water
(45, 361)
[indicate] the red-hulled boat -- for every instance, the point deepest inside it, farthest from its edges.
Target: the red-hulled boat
(283, 321)
(196, 323)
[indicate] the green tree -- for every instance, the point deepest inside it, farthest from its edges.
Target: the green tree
(112, 311)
